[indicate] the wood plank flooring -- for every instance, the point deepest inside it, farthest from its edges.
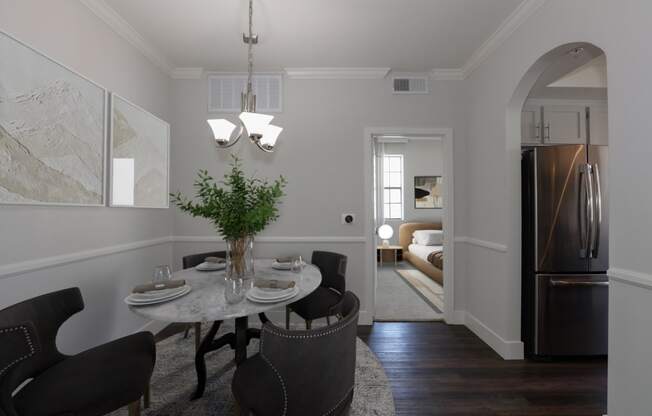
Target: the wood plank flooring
(437, 369)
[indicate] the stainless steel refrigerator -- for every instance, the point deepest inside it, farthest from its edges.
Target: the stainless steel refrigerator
(565, 250)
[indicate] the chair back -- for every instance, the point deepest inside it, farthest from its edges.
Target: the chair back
(317, 367)
(333, 269)
(193, 260)
(30, 328)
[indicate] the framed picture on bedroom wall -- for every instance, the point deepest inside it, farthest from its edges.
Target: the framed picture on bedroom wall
(428, 192)
(140, 144)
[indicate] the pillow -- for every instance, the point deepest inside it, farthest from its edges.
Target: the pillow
(429, 237)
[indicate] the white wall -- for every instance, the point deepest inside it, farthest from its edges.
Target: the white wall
(321, 153)
(622, 29)
(420, 158)
(68, 32)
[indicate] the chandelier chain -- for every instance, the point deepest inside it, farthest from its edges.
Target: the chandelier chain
(250, 47)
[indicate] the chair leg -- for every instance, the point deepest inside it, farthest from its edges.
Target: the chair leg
(197, 335)
(287, 317)
(146, 397)
(308, 324)
(186, 332)
(328, 320)
(134, 408)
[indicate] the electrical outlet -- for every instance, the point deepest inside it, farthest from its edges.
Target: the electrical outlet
(348, 219)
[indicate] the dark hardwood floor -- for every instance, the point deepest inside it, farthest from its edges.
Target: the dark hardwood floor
(437, 369)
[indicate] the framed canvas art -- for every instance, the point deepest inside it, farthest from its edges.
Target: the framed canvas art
(428, 191)
(140, 147)
(52, 131)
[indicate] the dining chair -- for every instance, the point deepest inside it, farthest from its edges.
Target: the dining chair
(326, 300)
(309, 372)
(189, 262)
(91, 383)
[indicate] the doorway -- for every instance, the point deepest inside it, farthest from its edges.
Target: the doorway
(410, 224)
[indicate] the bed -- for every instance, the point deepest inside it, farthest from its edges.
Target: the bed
(428, 259)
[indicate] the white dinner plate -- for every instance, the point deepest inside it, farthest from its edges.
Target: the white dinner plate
(210, 267)
(268, 293)
(288, 296)
(135, 301)
(284, 266)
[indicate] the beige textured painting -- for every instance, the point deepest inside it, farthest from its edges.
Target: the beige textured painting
(139, 157)
(428, 192)
(52, 131)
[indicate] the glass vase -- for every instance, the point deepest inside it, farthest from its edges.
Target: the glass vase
(240, 258)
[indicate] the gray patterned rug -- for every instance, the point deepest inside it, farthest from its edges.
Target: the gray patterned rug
(174, 381)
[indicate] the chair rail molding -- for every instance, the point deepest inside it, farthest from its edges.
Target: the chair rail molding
(630, 277)
(273, 239)
(500, 248)
(27, 266)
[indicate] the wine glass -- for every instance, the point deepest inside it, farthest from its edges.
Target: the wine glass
(234, 291)
(297, 264)
(162, 274)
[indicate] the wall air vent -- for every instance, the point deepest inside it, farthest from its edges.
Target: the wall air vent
(410, 85)
(224, 92)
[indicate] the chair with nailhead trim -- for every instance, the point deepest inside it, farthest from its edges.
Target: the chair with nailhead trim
(298, 373)
(92, 383)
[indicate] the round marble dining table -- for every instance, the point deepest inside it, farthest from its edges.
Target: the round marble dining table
(206, 303)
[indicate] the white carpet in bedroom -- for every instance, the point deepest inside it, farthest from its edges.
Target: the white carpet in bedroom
(397, 301)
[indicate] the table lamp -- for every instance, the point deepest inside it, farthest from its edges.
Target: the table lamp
(385, 232)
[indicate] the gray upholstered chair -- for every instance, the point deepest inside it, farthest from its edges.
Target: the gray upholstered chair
(326, 300)
(298, 373)
(189, 262)
(92, 383)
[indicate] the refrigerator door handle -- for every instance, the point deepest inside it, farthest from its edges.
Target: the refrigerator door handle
(590, 204)
(578, 283)
(585, 209)
(595, 245)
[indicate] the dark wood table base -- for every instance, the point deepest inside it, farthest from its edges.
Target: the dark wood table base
(238, 341)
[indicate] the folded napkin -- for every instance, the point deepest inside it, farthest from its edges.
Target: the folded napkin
(217, 260)
(274, 284)
(149, 287)
(288, 259)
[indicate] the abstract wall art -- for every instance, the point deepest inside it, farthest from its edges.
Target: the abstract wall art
(139, 157)
(428, 192)
(52, 131)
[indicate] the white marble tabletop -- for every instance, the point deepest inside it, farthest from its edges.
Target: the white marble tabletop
(206, 303)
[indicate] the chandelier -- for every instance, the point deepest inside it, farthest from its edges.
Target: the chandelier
(257, 125)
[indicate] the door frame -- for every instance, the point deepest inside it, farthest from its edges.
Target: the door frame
(448, 222)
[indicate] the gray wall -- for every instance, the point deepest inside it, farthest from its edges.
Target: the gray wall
(32, 235)
(420, 158)
(321, 153)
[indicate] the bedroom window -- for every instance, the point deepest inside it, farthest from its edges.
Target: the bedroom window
(393, 187)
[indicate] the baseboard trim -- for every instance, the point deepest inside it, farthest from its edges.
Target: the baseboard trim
(14, 269)
(508, 350)
(457, 318)
(274, 239)
(501, 248)
(631, 277)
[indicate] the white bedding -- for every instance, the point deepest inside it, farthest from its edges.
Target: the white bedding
(423, 251)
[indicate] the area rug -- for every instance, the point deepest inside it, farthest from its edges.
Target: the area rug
(398, 301)
(427, 288)
(174, 381)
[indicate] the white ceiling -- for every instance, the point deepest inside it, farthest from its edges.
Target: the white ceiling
(405, 35)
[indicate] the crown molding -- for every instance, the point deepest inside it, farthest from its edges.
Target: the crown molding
(504, 31)
(521, 14)
(443, 74)
(124, 29)
(337, 73)
(187, 73)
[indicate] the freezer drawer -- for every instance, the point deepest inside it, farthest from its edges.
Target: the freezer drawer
(571, 315)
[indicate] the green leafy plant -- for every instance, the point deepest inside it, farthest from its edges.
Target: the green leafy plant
(240, 207)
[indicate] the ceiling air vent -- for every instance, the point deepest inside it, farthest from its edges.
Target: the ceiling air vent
(224, 92)
(410, 85)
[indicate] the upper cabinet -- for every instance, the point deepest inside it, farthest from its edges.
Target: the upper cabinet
(564, 123)
(531, 124)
